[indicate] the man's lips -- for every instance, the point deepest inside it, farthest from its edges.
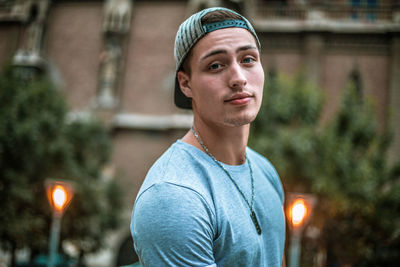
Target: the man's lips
(239, 98)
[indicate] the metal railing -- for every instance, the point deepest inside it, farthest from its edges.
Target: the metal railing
(361, 12)
(276, 10)
(333, 11)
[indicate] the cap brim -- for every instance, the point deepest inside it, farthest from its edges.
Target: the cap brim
(181, 101)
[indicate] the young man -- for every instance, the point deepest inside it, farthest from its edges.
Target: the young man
(209, 200)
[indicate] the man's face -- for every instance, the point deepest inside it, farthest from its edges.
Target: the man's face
(227, 78)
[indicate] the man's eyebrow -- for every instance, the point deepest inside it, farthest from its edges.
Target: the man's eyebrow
(215, 52)
(223, 51)
(246, 47)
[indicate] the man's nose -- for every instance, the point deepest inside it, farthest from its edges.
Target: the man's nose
(237, 78)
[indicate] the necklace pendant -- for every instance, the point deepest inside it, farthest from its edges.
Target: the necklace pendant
(255, 221)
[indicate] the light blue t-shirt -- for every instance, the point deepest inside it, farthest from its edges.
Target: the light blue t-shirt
(189, 213)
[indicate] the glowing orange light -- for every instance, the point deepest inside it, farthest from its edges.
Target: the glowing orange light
(59, 196)
(298, 212)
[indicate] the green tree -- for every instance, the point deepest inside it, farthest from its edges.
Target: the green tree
(363, 198)
(343, 162)
(38, 142)
(286, 129)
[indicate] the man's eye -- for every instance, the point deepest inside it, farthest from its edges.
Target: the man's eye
(214, 66)
(248, 60)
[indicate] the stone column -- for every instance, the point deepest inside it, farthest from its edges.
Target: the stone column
(394, 99)
(314, 45)
(116, 25)
(30, 52)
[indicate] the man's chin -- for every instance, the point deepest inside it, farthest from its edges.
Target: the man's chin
(240, 121)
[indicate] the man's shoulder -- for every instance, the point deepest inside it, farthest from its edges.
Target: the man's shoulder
(175, 161)
(179, 165)
(258, 159)
(268, 170)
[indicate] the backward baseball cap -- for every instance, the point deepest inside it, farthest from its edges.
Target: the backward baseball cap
(190, 32)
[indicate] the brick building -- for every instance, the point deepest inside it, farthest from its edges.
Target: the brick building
(114, 59)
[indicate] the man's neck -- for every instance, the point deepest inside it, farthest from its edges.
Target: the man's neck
(226, 144)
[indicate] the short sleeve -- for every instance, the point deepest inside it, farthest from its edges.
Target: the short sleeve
(172, 225)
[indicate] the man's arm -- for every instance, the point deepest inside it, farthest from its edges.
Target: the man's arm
(173, 226)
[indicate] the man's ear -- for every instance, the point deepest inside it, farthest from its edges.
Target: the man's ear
(184, 83)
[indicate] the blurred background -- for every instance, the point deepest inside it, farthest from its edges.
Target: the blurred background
(86, 95)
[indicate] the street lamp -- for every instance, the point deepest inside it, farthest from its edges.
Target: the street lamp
(59, 193)
(298, 212)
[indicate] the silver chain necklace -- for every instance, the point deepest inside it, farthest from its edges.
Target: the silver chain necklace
(250, 204)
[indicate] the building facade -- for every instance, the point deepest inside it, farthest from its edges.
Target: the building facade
(114, 59)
